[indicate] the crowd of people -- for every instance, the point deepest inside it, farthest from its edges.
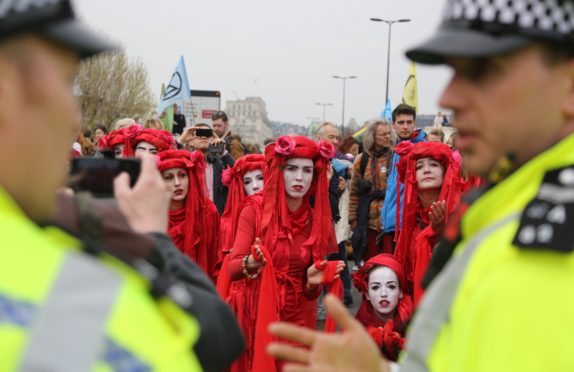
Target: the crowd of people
(215, 259)
(271, 230)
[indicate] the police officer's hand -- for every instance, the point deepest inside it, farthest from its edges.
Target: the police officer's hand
(145, 206)
(351, 350)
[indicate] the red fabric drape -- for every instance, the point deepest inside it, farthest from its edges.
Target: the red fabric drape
(333, 285)
(196, 233)
(417, 239)
(389, 335)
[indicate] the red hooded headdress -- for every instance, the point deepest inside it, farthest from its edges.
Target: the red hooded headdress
(275, 218)
(161, 139)
(277, 221)
(194, 228)
(389, 335)
(122, 136)
(415, 255)
(361, 281)
(233, 179)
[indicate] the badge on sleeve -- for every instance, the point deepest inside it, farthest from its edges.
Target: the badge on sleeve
(547, 223)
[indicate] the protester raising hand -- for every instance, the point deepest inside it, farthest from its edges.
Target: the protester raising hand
(351, 350)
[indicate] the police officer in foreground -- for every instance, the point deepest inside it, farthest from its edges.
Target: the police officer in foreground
(66, 304)
(499, 289)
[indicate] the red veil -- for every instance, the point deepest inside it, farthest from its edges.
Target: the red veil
(194, 228)
(417, 238)
(233, 179)
(389, 335)
(276, 221)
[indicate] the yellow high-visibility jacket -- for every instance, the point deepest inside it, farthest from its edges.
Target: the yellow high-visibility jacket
(64, 310)
(505, 300)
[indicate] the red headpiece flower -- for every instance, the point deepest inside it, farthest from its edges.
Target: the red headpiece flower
(412, 207)
(275, 216)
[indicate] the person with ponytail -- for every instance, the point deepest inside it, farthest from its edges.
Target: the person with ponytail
(193, 218)
(432, 190)
(386, 307)
(282, 242)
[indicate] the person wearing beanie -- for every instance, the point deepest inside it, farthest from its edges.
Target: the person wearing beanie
(193, 219)
(386, 307)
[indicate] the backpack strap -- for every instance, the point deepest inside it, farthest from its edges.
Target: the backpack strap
(364, 162)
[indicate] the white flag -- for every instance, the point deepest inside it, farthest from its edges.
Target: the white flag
(177, 90)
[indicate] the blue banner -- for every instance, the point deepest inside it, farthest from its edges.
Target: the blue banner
(177, 90)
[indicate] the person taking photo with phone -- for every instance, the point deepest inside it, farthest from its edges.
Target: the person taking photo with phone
(201, 138)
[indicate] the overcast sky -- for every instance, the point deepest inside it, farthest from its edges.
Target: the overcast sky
(282, 51)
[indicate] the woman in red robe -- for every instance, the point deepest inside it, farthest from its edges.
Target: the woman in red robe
(243, 180)
(432, 189)
(279, 237)
(193, 218)
(386, 307)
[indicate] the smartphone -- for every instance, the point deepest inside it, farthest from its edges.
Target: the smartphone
(97, 175)
(204, 132)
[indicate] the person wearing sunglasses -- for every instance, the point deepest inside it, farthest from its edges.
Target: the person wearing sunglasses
(202, 138)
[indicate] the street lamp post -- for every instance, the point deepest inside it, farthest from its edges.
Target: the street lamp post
(344, 78)
(324, 108)
(390, 23)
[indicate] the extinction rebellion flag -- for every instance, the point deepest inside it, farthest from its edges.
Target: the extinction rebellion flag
(177, 90)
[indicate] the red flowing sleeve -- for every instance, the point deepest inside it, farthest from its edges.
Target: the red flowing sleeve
(243, 241)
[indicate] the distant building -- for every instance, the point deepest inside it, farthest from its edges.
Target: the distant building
(286, 129)
(248, 119)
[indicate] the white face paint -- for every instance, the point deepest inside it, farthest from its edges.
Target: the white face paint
(298, 175)
(429, 174)
(253, 182)
(384, 292)
(144, 146)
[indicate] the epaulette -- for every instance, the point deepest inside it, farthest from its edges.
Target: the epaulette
(547, 221)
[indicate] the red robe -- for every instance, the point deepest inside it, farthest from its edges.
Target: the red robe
(296, 304)
(203, 250)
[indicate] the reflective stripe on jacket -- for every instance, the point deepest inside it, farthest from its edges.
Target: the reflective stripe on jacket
(497, 307)
(63, 310)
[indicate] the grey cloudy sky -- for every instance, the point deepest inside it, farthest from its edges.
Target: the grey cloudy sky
(283, 51)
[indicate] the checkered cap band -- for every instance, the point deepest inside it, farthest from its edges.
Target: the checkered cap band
(546, 18)
(25, 15)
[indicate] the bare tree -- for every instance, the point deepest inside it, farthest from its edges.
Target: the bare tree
(110, 87)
